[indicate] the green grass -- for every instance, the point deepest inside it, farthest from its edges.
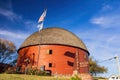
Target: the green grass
(28, 77)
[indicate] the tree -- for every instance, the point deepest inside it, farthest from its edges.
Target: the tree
(7, 48)
(95, 68)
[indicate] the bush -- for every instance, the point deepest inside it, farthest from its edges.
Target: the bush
(29, 71)
(35, 71)
(12, 70)
(43, 73)
(75, 78)
(4, 67)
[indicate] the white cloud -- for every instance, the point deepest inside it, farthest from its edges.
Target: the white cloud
(16, 37)
(6, 10)
(107, 17)
(12, 34)
(17, 19)
(106, 21)
(106, 7)
(9, 14)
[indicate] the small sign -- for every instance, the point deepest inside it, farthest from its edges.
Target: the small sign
(84, 64)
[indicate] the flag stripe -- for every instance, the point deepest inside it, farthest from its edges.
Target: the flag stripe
(42, 16)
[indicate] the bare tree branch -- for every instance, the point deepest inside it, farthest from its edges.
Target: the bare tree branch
(7, 48)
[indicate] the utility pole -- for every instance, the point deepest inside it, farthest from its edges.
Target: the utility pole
(117, 60)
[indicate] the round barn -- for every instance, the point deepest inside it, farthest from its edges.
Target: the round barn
(56, 50)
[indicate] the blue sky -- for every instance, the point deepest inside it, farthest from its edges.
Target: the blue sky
(96, 22)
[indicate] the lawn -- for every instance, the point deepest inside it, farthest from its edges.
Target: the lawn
(29, 77)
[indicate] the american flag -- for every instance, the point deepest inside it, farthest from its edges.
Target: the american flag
(42, 16)
(41, 19)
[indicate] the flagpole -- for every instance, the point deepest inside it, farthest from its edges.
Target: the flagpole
(38, 53)
(40, 26)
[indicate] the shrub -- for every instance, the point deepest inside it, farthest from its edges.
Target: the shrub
(35, 71)
(29, 71)
(76, 77)
(12, 70)
(43, 73)
(4, 67)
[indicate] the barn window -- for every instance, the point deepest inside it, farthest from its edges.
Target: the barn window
(50, 51)
(50, 64)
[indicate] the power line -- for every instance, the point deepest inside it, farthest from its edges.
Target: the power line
(117, 61)
(108, 60)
